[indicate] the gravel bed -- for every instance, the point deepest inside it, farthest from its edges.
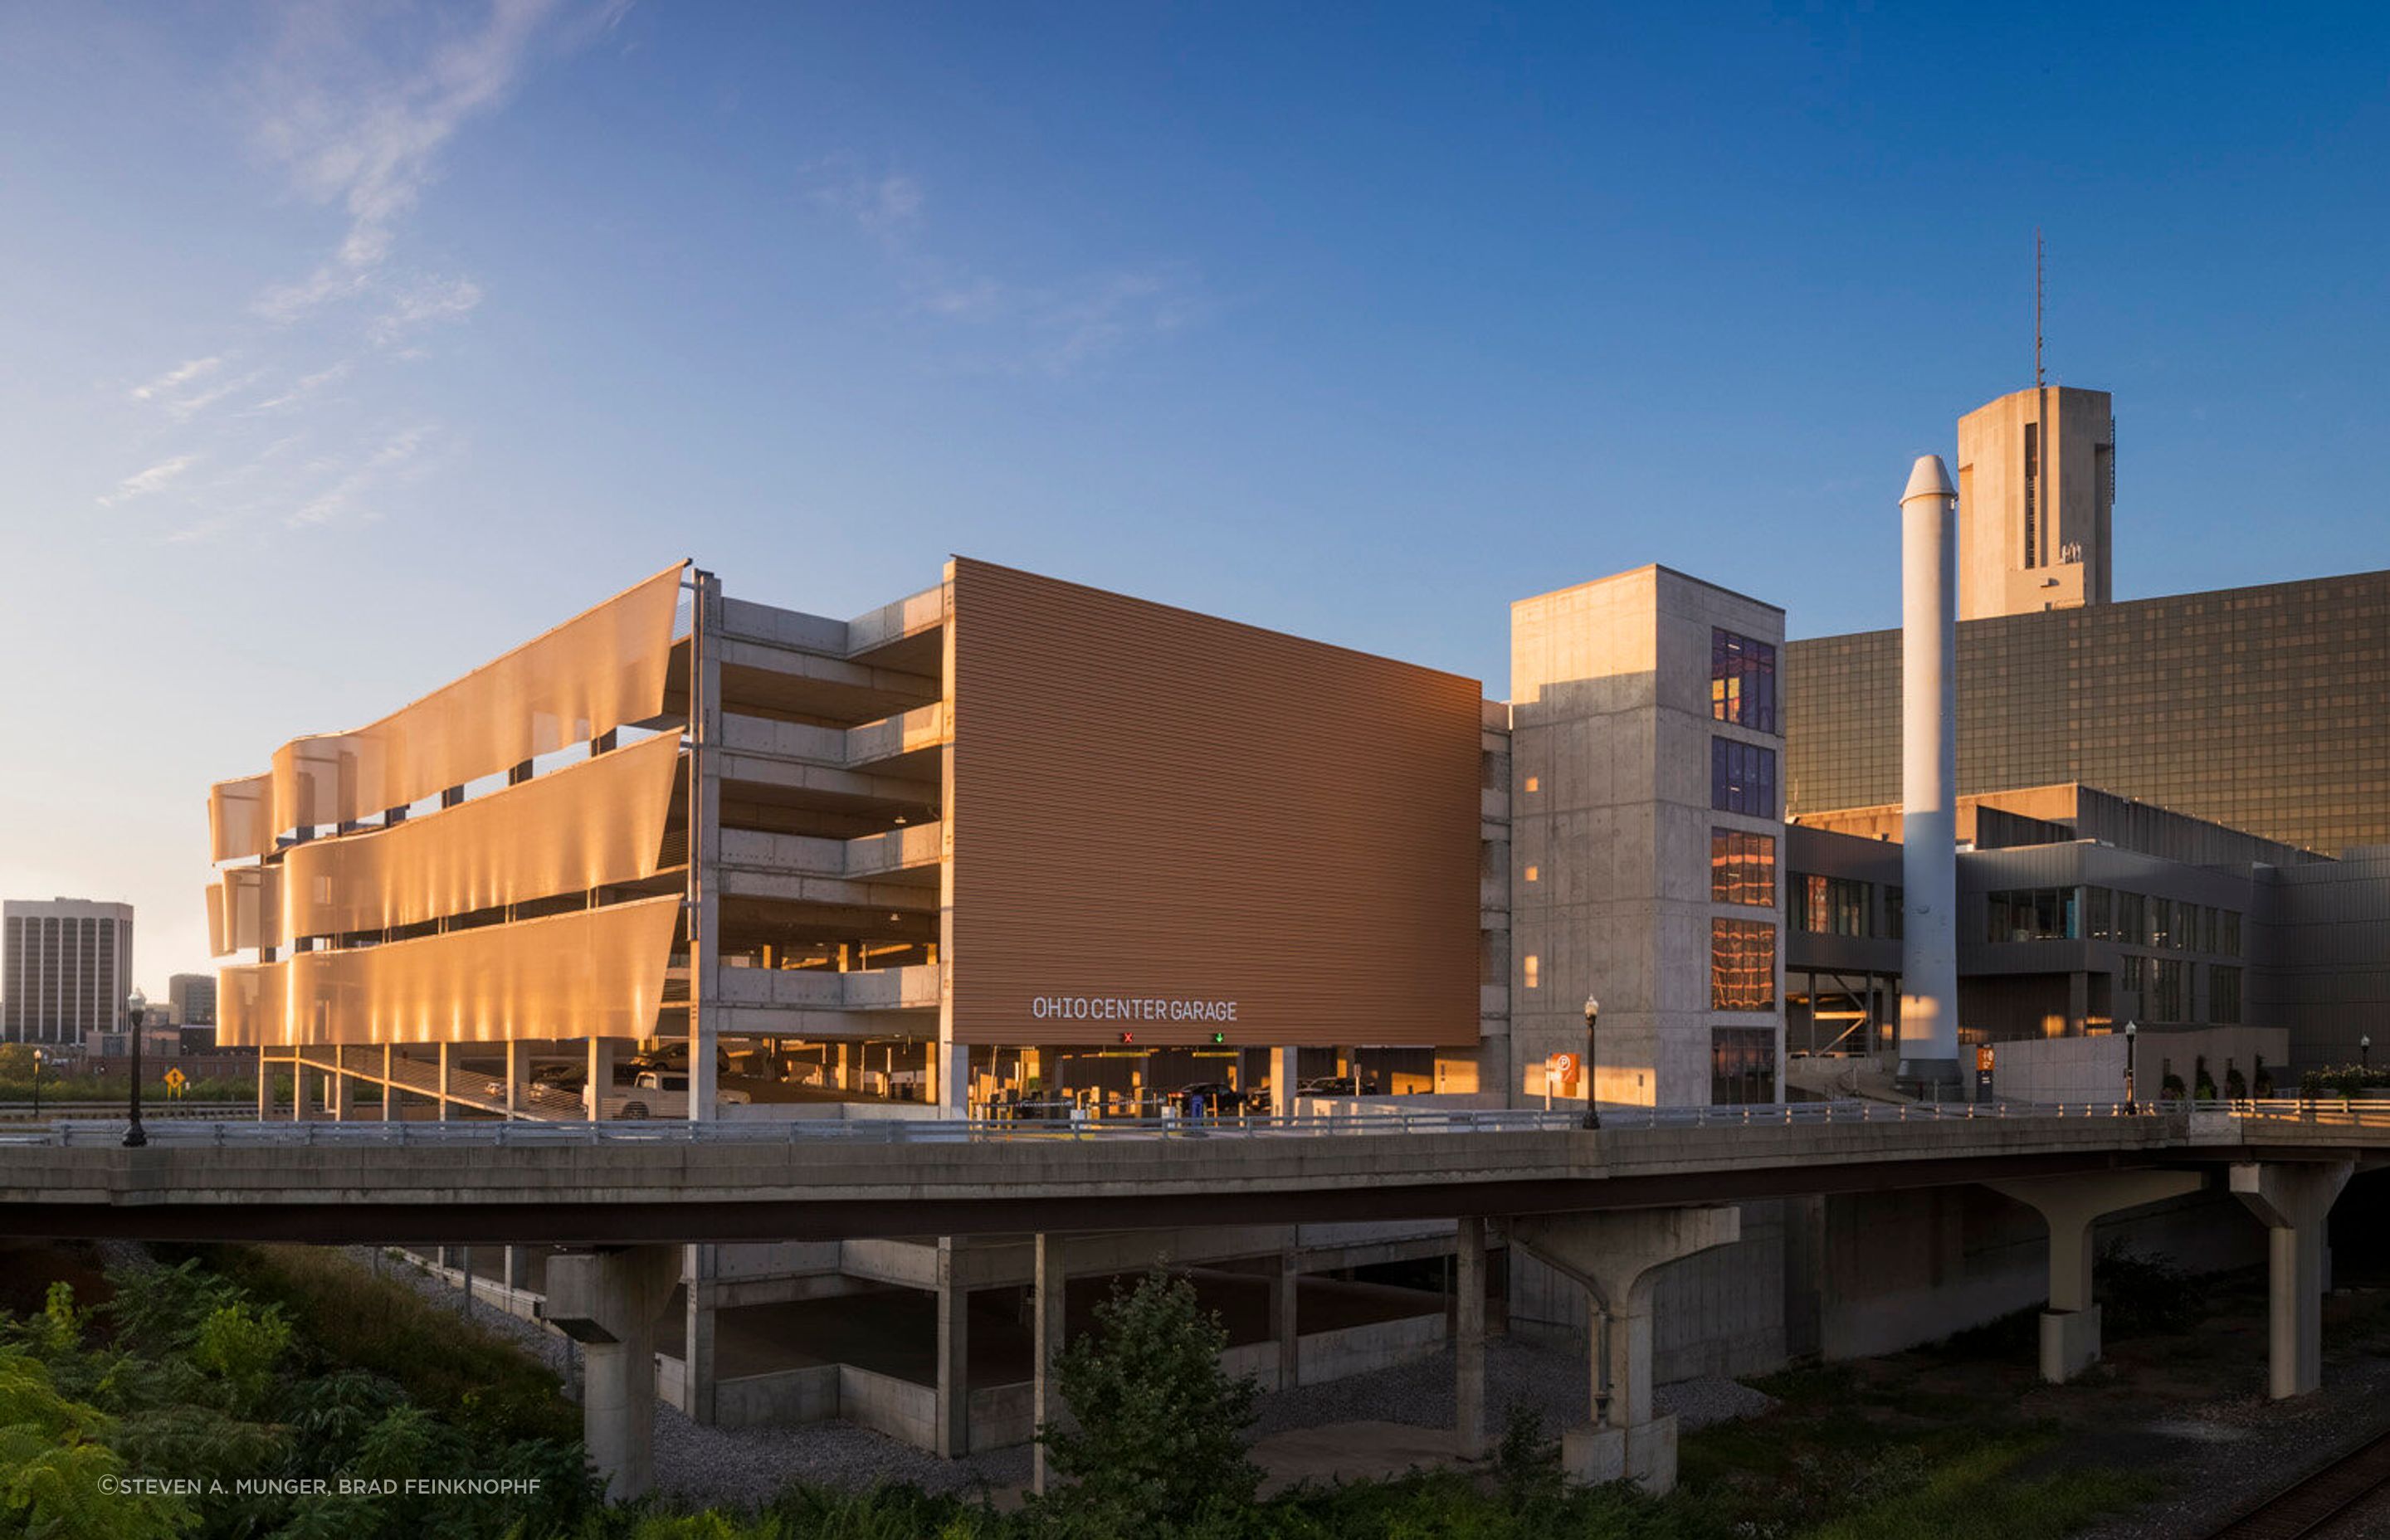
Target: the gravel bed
(2241, 1450)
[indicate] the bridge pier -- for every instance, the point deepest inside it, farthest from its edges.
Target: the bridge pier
(1617, 1258)
(1048, 1284)
(954, 1355)
(2294, 1202)
(1285, 1325)
(2070, 1206)
(1469, 1339)
(608, 1300)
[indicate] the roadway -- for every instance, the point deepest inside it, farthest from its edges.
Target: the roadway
(619, 1185)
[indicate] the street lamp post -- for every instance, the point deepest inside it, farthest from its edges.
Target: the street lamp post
(135, 1004)
(37, 1085)
(2132, 1030)
(2365, 1052)
(1592, 1108)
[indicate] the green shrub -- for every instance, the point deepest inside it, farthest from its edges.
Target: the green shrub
(1159, 1433)
(2141, 1295)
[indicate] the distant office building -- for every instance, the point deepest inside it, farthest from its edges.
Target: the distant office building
(191, 1000)
(2263, 709)
(66, 967)
(2037, 488)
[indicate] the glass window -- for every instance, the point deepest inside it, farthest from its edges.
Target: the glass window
(2228, 932)
(1896, 911)
(2160, 922)
(2224, 996)
(2168, 999)
(1742, 1065)
(1808, 903)
(1742, 681)
(2132, 919)
(2034, 914)
(1743, 868)
(2136, 970)
(1742, 777)
(2207, 930)
(1742, 965)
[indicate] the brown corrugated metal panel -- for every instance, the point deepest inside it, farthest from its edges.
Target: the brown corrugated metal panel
(240, 817)
(573, 830)
(600, 670)
(597, 972)
(1158, 814)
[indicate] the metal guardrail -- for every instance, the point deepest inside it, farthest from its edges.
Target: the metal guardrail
(1392, 1120)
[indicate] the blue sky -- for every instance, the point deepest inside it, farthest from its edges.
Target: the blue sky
(345, 345)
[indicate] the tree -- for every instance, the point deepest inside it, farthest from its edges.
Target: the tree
(1161, 1426)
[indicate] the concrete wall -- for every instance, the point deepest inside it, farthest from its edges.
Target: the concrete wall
(1609, 831)
(1896, 1269)
(2092, 1068)
(1722, 1312)
(809, 1395)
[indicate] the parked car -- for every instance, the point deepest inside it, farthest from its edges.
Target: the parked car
(1329, 1086)
(1219, 1099)
(661, 1094)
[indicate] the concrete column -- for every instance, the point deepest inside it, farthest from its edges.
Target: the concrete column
(607, 1302)
(704, 841)
(444, 1050)
(1469, 1339)
(1050, 1281)
(2070, 1206)
(698, 1268)
(516, 1058)
(264, 1088)
(601, 1076)
(340, 1094)
(1285, 1326)
(1282, 1080)
(2294, 1203)
(518, 1267)
(845, 1081)
(951, 1071)
(298, 1088)
(1617, 1258)
(954, 1356)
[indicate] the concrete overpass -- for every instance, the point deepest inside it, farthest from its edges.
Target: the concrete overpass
(1610, 1208)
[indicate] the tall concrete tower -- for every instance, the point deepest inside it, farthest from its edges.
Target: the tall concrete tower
(1928, 784)
(2036, 487)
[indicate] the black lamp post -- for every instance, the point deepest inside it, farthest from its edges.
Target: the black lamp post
(2132, 1030)
(1592, 1109)
(37, 1082)
(135, 1004)
(2365, 1052)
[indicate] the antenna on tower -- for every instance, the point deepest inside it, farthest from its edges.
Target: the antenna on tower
(2037, 307)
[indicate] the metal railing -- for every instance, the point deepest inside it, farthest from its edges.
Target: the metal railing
(1394, 1118)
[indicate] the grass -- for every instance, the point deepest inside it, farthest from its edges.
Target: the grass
(443, 1361)
(1968, 1495)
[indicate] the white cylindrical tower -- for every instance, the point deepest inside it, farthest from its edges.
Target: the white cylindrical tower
(1929, 781)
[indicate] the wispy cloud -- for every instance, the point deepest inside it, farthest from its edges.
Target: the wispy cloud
(422, 304)
(305, 387)
(344, 498)
(180, 375)
(883, 204)
(362, 108)
(142, 484)
(1051, 325)
(368, 136)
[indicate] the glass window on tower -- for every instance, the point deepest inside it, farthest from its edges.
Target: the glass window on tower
(1742, 777)
(1742, 681)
